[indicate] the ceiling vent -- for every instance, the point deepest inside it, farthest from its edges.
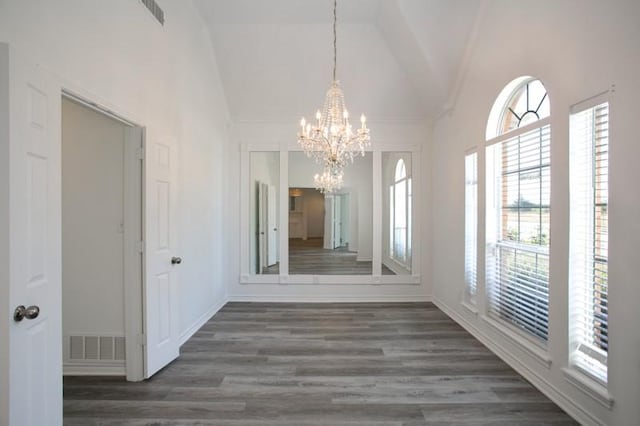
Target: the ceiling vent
(155, 10)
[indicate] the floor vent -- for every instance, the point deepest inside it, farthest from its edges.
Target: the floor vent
(155, 10)
(97, 348)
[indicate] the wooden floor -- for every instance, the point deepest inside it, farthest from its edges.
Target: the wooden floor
(320, 364)
(307, 257)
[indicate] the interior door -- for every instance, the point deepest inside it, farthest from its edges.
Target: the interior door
(337, 222)
(261, 229)
(161, 320)
(272, 226)
(329, 224)
(31, 389)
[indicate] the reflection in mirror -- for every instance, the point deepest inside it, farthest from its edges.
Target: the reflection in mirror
(396, 212)
(330, 234)
(264, 206)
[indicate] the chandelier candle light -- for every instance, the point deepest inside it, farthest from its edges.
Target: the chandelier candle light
(331, 140)
(329, 181)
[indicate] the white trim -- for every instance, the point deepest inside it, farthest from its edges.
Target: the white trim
(95, 107)
(204, 318)
(532, 347)
(591, 102)
(133, 231)
(565, 402)
(93, 369)
(245, 275)
(519, 131)
(134, 259)
(470, 307)
(589, 387)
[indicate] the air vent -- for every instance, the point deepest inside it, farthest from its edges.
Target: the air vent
(97, 348)
(155, 10)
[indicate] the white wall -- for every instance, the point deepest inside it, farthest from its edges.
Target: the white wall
(162, 77)
(578, 48)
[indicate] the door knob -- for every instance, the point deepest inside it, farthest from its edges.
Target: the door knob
(176, 260)
(21, 313)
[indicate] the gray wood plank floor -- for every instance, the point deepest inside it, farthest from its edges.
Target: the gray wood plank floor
(307, 257)
(374, 364)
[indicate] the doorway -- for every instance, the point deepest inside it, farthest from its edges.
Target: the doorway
(101, 242)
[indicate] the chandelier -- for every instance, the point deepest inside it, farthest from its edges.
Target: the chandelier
(331, 140)
(329, 181)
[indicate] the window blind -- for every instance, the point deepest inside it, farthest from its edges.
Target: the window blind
(471, 226)
(589, 176)
(518, 208)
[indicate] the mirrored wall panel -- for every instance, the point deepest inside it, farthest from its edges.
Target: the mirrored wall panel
(396, 213)
(330, 234)
(264, 212)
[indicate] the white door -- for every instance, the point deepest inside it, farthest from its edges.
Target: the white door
(329, 225)
(31, 380)
(272, 226)
(344, 219)
(337, 221)
(261, 230)
(161, 318)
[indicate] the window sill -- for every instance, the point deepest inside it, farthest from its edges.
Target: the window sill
(534, 349)
(588, 386)
(470, 307)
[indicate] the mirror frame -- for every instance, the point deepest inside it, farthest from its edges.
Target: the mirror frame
(376, 278)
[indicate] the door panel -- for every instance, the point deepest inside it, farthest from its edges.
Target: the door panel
(35, 351)
(272, 226)
(337, 225)
(329, 228)
(161, 286)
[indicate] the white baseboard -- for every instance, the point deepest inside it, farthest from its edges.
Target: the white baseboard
(88, 369)
(329, 299)
(186, 335)
(556, 395)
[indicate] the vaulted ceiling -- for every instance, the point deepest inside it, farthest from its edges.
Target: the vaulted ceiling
(397, 59)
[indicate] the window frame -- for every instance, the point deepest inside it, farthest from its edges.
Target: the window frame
(471, 228)
(585, 358)
(493, 209)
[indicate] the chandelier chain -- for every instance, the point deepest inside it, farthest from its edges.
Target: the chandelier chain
(335, 39)
(331, 139)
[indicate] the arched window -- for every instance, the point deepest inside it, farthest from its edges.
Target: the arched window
(518, 207)
(400, 215)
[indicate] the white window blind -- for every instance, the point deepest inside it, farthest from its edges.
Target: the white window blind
(471, 226)
(518, 207)
(589, 171)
